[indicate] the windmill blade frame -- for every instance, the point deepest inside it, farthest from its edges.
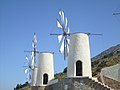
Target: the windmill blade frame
(66, 32)
(62, 23)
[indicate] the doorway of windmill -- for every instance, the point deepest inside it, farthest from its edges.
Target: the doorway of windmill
(45, 78)
(78, 68)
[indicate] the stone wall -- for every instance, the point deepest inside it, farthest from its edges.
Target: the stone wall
(38, 88)
(112, 72)
(111, 83)
(76, 83)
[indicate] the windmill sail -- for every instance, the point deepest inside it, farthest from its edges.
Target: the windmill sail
(26, 70)
(62, 23)
(26, 58)
(66, 21)
(58, 24)
(62, 47)
(68, 30)
(60, 38)
(62, 17)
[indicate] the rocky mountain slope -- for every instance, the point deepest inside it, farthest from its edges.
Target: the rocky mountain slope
(111, 51)
(107, 58)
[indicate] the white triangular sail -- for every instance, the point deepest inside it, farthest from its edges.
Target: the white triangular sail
(60, 38)
(60, 13)
(62, 17)
(66, 21)
(62, 47)
(26, 58)
(26, 70)
(58, 24)
(68, 30)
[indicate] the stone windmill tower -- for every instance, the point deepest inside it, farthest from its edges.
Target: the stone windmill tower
(79, 63)
(45, 68)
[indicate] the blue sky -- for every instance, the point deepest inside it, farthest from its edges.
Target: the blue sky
(19, 19)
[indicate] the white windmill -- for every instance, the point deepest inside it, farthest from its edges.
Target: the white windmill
(31, 69)
(62, 24)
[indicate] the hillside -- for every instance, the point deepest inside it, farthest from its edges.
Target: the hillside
(111, 51)
(107, 58)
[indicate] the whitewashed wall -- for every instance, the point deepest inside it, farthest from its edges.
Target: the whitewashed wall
(79, 50)
(45, 65)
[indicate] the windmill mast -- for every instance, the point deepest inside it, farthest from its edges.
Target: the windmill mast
(34, 49)
(32, 67)
(34, 45)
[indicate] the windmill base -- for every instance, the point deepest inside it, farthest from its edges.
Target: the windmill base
(72, 83)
